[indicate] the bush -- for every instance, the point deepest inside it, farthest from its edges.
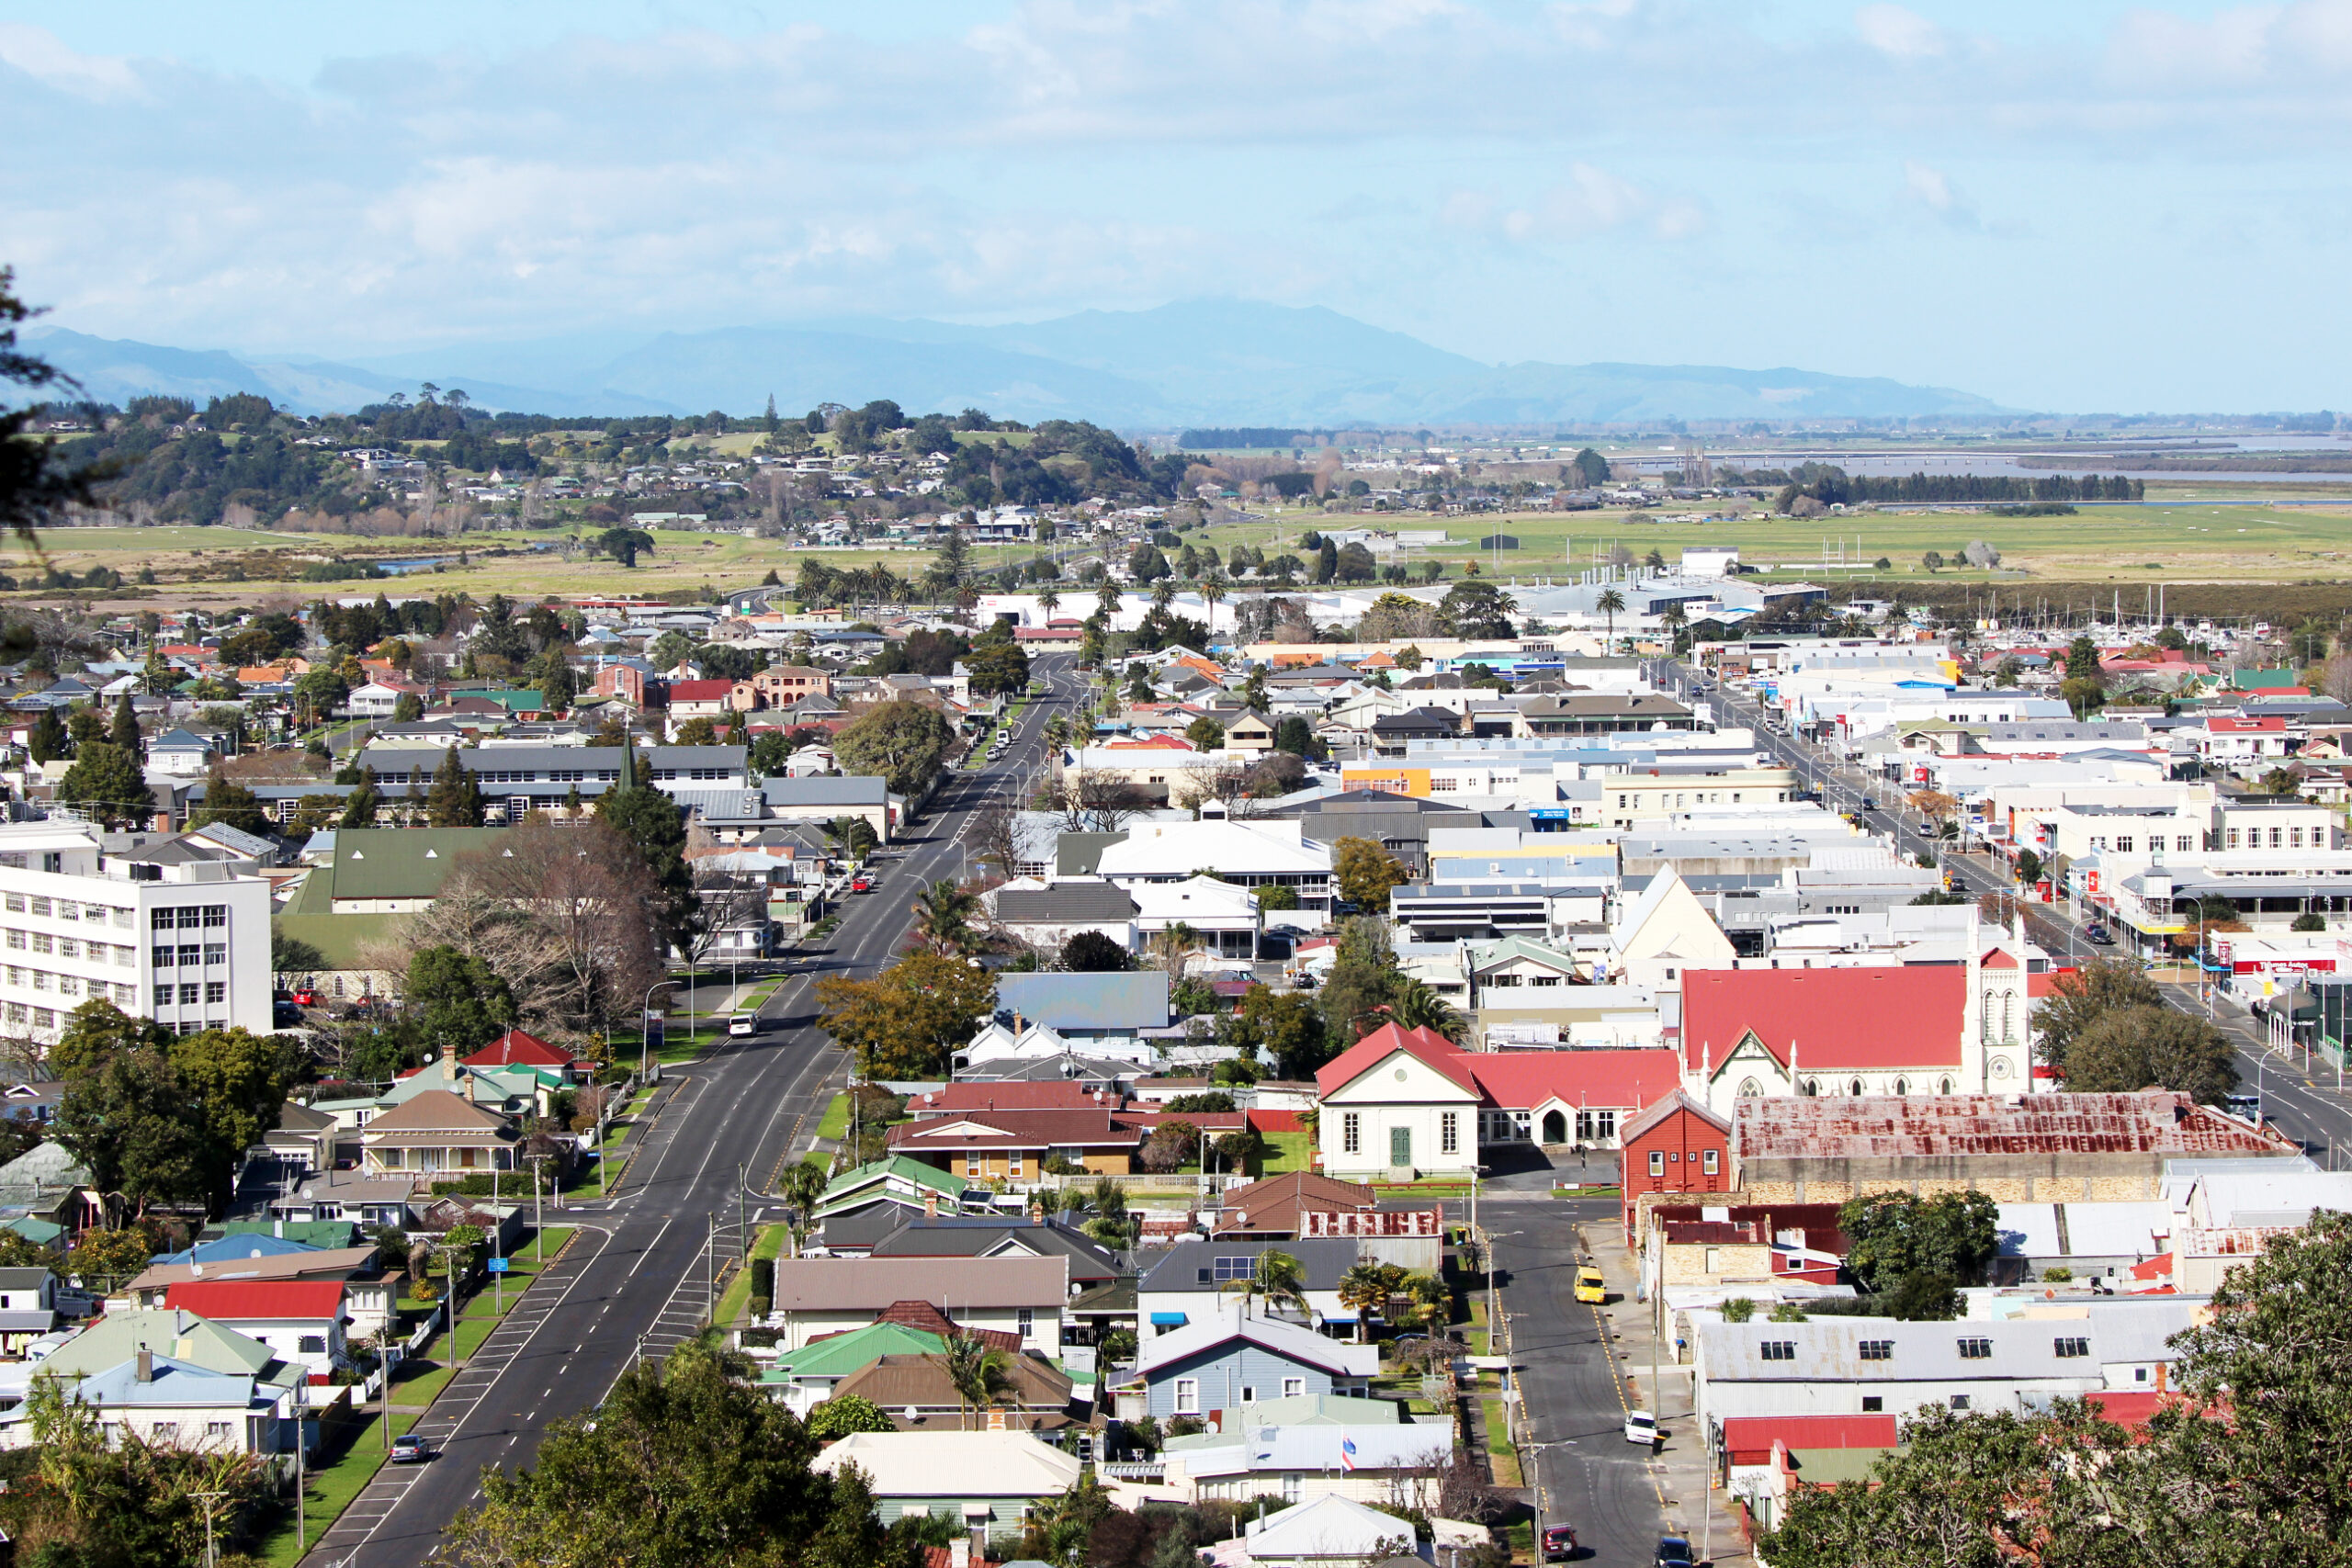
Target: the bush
(762, 1306)
(2058, 1274)
(762, 1277)
(1739, 1309)
(847, 1413)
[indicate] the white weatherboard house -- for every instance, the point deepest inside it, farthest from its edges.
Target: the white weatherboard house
(981, 1481)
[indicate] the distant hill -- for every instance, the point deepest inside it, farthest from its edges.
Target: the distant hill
(1210, 362)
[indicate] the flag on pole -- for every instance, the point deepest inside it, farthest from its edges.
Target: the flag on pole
(1347, 1453)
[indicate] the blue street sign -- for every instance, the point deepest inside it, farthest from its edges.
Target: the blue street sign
(498, 1266)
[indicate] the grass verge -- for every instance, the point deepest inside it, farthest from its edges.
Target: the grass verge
(737, 1298)
(835, 1123)
(346, 1463)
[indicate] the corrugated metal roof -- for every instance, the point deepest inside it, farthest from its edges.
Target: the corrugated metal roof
(2153, 1121)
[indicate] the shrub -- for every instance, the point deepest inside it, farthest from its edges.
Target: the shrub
(1739, 1309)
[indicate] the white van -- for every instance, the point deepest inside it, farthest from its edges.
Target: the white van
(743, 1023)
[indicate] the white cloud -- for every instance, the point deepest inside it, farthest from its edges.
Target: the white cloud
(1588, 203)
(1893, 31)
(39, 53)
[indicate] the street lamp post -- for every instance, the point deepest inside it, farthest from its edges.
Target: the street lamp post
(644, 1034)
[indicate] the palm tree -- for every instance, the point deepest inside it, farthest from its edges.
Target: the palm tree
(1163, 593)
(1610, 603)
(1674, 618)
(1432, 1305)
(1106, 599)
(1110, 1224)
(978, 1370)
(1416, 1006)
(1213, 590)
(944, 911)
(1365, 1290)
(1276, 1276)
(1049, 600)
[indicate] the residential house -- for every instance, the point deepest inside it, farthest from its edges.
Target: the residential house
(1257, 854)
(1384, 1462)
(1096, 1014)
(918, 1395)
(176, 1404)
(1022, 1296)
(28, 1306)
(781, 685)
(436, 1135)
(1017, 1145)
(1702, 1254)
(1330, 1532)
(1214, 1365)
(819, 799)
(1764, 1460)
(301, 1320)
(180, 754)
(860, 1206)
(806, 1378)
(1198, 1280)
(1046, 916)
(990, 1483)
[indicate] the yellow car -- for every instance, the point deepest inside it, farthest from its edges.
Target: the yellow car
(1589, 1285)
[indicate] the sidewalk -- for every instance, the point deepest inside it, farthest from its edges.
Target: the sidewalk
(1693, 1506)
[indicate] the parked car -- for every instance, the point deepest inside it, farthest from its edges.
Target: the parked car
(861, 885)
(411, 1448)
(1673, 1551)
(2099, 936)
(1641, 1426)
(1559, 1544)
(1590, 1286)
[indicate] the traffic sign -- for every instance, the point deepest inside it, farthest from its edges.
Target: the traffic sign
(498, 1265)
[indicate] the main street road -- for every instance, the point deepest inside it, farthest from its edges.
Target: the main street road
(635, 1279)
(2306, 1107)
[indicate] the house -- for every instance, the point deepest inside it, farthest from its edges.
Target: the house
(781, 685)
(1332, 1531)
(1196, 1280)
(28, 1306)
(1272, 853)
(702, 699)
(1046, 917)
(178, 1403)
(1220, 1362)
(916, 1391)
(1249, 732)
(1384, 1462)
(1678, 1144)
(1707, 1254)
(1096, 1014)
(819, 799)
(180, 753)
(1763, 1459)
(988, 1482)
(519, 1048)
(1016, 1145)
(861, 1205)
(1022, 1296)
(1222, 918)
(806, 1378)
(925, 1236)
(301, 1320)
(1275, 1208)
(436, 1135)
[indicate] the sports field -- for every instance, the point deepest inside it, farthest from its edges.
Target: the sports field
(2204, 541)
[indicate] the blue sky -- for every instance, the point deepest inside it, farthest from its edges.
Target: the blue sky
(2081, 205)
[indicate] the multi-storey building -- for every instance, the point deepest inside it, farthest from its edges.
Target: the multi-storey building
(185, 944)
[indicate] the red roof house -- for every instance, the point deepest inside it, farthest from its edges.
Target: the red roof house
(303, 1320)
(520, 1048)
(1748, 1439)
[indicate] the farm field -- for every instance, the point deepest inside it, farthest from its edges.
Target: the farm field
(2216, 540)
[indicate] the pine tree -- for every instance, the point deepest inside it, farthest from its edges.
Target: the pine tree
(359, 809)
(48, 740)
(455, 799)
(124, 731)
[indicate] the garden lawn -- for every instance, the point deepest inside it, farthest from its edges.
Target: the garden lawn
(1286, 1152)
(332, 1488)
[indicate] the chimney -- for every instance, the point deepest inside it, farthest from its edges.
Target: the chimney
(146, 1366)
(931, 1203)
(959, 1552)
(277, 1227)
(996, 1418)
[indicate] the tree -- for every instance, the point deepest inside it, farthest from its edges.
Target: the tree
(1283, 1027)
(571, 917)
(460, 1002)
(1277, 1277)
(997, 668)
(979, 1372)
(1611, 603)
(158, 1118)
(231, 804)
(696, 731)
(359, 806)
(47, 740)
(1418, 1005)
(905, 1021)
(106, 783)
(123, 729)
(1170, 1144)
(1092, 952)
(1366, 1289)
(901, 741)
(648, 822)
(854, 836)
(847, 1413)
(2082, 660)
(944, 912)
(2131, 1048)
(1475, 610)
(2029, 867)
(1365, 873)
(625, 545)
(1589, 469)
(2080, 997)
(685, 1464)
(1892, 1235)
(1205, 734)
(455, 799)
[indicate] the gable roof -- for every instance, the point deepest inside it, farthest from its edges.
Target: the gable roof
(1607, 1076)
(249, 1299)
(1837, 1018)
(400, 862)
(1284, 1198)
(871, 1284)
(1424, 1045)
(1273, 1335)
(518, 1048)
(436, 1111)
(838, 1355)
(1136, 1000)
(1666, 1107)
(1073, 901)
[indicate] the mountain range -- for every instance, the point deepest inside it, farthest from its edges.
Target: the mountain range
(1210, 362)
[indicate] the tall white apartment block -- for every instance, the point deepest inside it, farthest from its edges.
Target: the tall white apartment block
(185, 944)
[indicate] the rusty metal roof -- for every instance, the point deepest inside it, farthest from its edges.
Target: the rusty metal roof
(2153, 1121)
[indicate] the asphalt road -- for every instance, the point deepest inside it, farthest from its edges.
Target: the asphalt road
(634, 1280)
(1591, 1479)
(2305, 1105)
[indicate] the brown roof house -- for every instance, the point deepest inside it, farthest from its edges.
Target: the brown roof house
(1022, 1296)
(918, 1395)
(437, 1137)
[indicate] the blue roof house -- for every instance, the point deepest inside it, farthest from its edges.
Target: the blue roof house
(1224, 1360)
(1087, 1012)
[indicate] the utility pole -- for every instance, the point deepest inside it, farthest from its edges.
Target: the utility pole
(710, 1270)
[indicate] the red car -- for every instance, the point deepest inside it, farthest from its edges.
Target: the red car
(305, 998)
(1559, 1544)
(862, 885)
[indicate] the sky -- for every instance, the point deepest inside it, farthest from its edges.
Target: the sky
(2073, 205)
